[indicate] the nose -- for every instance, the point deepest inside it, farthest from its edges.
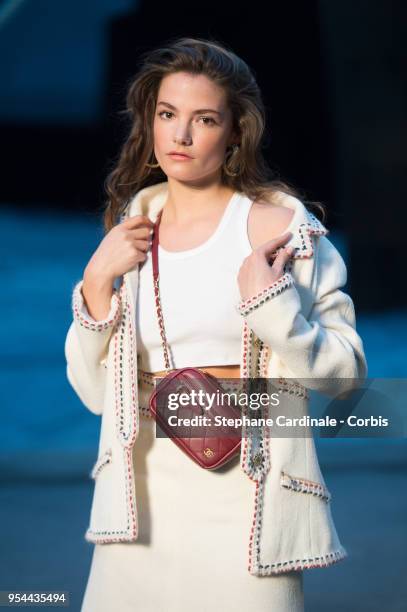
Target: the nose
(182, 136)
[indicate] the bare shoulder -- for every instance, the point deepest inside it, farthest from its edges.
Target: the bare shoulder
(267, 220)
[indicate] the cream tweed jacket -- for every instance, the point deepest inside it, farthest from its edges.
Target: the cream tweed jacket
(300, 328)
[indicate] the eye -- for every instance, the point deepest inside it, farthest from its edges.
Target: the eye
(164, 112)
(212, 121)
(209, 120)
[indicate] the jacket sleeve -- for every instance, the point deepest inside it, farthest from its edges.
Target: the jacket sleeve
(325, 346)
(86, 347)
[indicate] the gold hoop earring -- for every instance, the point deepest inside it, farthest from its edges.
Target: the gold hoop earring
(153, 165)
(229, 165)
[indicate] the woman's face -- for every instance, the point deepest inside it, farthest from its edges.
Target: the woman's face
(178, 126)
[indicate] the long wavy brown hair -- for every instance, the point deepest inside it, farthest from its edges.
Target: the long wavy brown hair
(130, 173)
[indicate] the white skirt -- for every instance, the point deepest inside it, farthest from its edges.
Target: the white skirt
(192, 549)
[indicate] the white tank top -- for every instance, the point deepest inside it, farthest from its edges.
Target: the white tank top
(199, 293)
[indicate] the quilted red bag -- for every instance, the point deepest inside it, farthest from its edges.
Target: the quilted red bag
(203, 443)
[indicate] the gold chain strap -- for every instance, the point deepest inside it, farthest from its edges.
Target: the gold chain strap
(161, 324)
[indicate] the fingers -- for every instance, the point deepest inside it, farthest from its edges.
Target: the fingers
(141, 225)
(143, 245)
(138, 221)
(281, 258)
(275, 243)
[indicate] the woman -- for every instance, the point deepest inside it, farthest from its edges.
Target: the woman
(238, 300)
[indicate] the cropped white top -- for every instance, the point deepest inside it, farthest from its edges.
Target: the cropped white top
(198, 292)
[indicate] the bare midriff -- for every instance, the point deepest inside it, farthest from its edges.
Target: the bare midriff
(228, 371)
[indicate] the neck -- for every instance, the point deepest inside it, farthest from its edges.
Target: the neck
(187, 202)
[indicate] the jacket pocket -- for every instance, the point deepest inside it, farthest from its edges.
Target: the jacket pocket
(102, 460)
(303, 485)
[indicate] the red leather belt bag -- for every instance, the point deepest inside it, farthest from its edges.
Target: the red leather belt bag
(208, 444)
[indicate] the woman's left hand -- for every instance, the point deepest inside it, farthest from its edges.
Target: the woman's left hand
(255, 273)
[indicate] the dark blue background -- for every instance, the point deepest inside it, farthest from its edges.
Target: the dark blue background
(332, 77)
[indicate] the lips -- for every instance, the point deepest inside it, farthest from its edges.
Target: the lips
(176, 153)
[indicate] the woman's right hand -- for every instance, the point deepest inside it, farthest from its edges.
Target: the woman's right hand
(125, 245)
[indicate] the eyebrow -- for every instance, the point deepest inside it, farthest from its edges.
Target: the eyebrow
(199, 110)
